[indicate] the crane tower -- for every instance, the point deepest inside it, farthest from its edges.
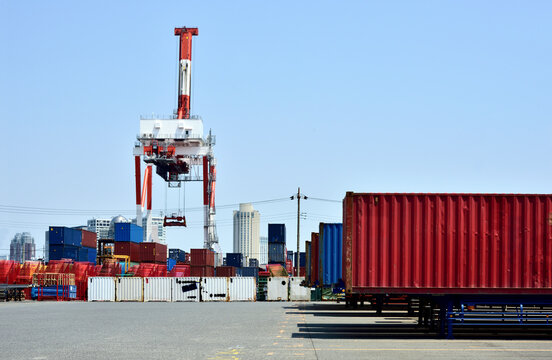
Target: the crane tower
(178, 149)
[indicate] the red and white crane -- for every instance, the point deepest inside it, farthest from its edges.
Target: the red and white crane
(178, 149)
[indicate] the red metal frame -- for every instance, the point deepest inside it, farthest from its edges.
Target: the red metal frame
(185, 53)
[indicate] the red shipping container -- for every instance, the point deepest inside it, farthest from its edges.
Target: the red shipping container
(153, 252)
(128, 248)
(89, 239)
(202, 257)
(314, 272)
(447, 243)
(225, 271)
(302, 271)
(202, 270)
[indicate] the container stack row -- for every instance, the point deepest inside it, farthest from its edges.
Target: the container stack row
(69, 243)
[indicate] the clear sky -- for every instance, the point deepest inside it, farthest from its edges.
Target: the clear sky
(394, 96)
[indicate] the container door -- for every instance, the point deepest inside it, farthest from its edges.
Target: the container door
(130, 289)
(186, 289)
(101, 289)
(242, 288)
(157, 289)
(214, 289)
(296, 291)
(277, 288)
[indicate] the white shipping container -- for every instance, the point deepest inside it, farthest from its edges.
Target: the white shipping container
(157, 288)
(242, 289)
(298, 292)
(214, 289)
(130, 289)
(185, 288)
(277, 288)
(101, 288)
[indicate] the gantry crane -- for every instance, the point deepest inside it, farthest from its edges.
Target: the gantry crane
(178, 149)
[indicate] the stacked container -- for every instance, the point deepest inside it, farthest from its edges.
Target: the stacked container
(314, 251)
(234, 259)
(225, 271)
(153, 252)
(277, 244)
(89, 246)
(178, 255)
(127, 240)
(66, 243)
(203, 262)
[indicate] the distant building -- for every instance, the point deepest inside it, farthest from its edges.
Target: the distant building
(22, 247)
(100, 227)
(3, 257)
(156, 222)
(247, 224)
(263, 257)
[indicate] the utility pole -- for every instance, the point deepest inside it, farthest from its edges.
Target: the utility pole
(297, 257)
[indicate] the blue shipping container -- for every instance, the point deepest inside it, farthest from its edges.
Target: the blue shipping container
(290, 256)
(83, 254)
(249, 271)
(177, 254)
(170, 264)
(58, 252)
(254, 263)
(331, 240)
(61, 235)
(91, 255)
(234, 259)
(277, 233)
(276, 253)
(70, 290)
(128, 232)
(302, 259)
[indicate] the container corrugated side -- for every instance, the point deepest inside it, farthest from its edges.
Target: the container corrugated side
(130, 289)
(157, 289)
(214, 289)
(296, 291)
(277, 288)
(242, 289)
(308, 261)
(447, 243)
(314, 272)
(186, 288)
(101, 288)
(277, 233)
(330, 256)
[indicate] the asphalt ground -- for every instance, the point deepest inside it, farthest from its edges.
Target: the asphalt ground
(260, 330)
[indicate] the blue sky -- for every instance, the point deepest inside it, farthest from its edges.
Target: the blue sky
(427, 96)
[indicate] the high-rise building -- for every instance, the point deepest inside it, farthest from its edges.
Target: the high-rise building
(22, 247)
(156, 222)
(247, 225)
(100, 227)
(263, 257)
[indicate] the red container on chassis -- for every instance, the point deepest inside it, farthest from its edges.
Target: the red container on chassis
(202, 257)
(89, 239)
(153, 252)
(302, 271)
(315, 252)
(128, 248)
(447, 243)
(202, 270)
(225, 271)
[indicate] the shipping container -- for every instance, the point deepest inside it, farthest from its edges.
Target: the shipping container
(92, 255)
(128, 232)
(234, 259)
(214, 289)
(298, 292)
(276, 253)
(89, 239)
(277, 288)
(201, 270)
(202, 257)
(290, 256)
(254, 263)
(186, 288)
(330, 256)
(130, 289)
(128, 248)
(447, 243)
(249, 271)
(225, 271)
(58, 252)
(157, 288)
(153, 252)
(101, 288)
(178, 255)
(277, 233)
(60, 235)
(314, 251)
(242, 289)
(308, 261)
(170, 264)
